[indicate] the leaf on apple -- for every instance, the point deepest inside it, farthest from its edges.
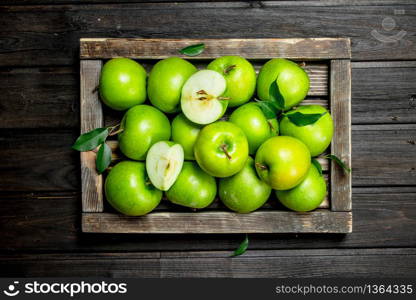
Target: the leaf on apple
(269, 108)
(193, 50)
(90, 140)
(339, 162)
(276, 96)
(300, 119)
(317, 165)
(103, 159)
(242, 248)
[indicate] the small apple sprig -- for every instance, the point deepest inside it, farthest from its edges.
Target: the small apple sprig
(95, 138)
(275, 107)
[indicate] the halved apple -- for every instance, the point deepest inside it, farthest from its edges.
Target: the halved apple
(201, 99)
(164, 163)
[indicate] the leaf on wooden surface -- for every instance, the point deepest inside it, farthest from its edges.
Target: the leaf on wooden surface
(193, 50)
(242, 248)
(90, 140)
(103, 159)
(339, 162)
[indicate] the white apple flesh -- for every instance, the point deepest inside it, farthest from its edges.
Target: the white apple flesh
(201, 100)
(164, 163)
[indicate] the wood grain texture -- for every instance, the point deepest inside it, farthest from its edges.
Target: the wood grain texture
(55, 38)
(340, 103)
(220, 222)
(305, 48)
(383, 217)
(348, 263)
(91, 118)
(381, 155)
(382, 92)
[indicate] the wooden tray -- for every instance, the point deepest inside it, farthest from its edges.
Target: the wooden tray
(327, 62)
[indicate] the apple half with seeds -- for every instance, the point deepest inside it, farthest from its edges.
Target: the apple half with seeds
(164, 163)
(202, 101)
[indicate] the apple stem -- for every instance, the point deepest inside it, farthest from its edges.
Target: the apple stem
(116, 132)
(270, 125)
(224, 149)
(302, 64)
(223, 98)
(261, 166)
(229, 68)
(95, 89)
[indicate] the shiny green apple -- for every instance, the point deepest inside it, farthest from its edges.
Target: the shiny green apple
(244, 192)
(250, 118)
(142, 126)
(240, 76)
(283, 162)
(127, 189)
(193, 188)
(165, 83)
(221, 149)
(306, 196)
(122, 83)
(185, 133)
(316, 136)
(291, 79)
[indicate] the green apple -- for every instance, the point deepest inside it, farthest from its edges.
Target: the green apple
(283, 162)
(185, 133)
(250, 118)
(244, 192)
(306, 196)
(202, 99)
(142, 126)
(221, 149)
(165, 83)
(164, 162)
(194, 188)
(128, 190)
(291, 79)
(122, 83)
(316, 136)
(240, 76)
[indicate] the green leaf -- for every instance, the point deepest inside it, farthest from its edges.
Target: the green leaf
(242, 248)
(193, 50)
(268, 108)
(317, 165)
(103, 159)
(276, 96)
(339, 162)
(300, 119)
(90, 140)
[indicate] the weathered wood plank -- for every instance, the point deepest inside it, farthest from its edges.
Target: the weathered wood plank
(55, 38)
(383, 217)
(319, 221)
(305, 48)
(382, 155)
(91, 118)
(340, 104)
(48, 97)
(366, 263)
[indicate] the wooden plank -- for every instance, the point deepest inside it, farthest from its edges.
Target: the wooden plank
(220, 222)
(382, 92)
(340, 102)
(356, 263)
(305, 48)
(55, 39)
(383, 217)
(91, 118)
(382, 155)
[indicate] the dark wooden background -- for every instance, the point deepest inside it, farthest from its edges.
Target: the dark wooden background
(39, 120)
